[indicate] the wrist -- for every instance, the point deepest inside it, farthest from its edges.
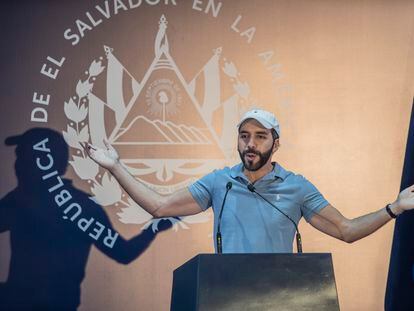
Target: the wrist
(116, 168)
(395, 209)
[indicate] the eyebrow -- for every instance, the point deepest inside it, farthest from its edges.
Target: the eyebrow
(257, 132)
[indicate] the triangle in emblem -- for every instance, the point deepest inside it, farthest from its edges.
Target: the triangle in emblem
(165, 120)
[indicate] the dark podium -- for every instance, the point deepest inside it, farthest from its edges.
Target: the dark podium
(255, 282)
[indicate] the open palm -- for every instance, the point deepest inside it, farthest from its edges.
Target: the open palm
(107, 158)
(406, 198)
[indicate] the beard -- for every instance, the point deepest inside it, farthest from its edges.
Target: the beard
(263, 158)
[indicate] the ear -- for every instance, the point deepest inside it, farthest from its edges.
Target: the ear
(276, 145)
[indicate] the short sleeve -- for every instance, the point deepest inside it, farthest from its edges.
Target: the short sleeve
(313, 200)
(202, 190)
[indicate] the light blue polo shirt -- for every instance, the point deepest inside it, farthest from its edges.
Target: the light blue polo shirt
(249, 224)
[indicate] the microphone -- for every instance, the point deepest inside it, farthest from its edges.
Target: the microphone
(298, 236)
(219, 241)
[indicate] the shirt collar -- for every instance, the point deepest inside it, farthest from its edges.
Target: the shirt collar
(277, 172)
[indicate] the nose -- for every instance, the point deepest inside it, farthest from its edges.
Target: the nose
(251, 144)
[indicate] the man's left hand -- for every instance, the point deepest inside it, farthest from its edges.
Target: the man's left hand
(405, 200)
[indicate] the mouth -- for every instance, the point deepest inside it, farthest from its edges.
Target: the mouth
(250, 156)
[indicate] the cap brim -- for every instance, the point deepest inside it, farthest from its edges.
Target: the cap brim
(13, 140)
(264, 123)
(260, 120)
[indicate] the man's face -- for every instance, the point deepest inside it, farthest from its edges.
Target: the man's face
(255, 145)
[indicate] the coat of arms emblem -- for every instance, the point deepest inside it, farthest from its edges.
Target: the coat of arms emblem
(168, 130)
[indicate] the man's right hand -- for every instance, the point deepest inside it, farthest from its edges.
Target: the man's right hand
(179, 203)
(107, 158)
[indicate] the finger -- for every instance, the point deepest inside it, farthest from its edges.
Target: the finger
(90, 150)
(107, 144)
(90, 147)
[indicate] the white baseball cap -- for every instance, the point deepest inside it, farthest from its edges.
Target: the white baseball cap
(265, 118)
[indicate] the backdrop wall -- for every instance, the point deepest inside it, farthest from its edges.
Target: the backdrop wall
(166, 81)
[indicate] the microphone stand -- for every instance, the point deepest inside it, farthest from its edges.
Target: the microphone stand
(298, 236)
(219, 241)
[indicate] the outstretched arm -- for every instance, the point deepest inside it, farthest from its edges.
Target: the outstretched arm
(124, 250)
(180, 203)
(330, 221)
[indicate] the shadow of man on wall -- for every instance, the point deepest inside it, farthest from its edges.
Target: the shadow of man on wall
(52, 227)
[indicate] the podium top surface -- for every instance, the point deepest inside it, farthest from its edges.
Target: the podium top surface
(236, 257)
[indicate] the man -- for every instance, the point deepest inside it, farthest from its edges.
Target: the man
(250, 224)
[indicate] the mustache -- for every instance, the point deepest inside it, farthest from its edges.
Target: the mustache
(251, 151)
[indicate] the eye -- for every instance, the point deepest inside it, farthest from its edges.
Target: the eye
(243, 136)
(262, 136)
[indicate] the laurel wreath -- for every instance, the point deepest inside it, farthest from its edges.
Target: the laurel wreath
(241, 88)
